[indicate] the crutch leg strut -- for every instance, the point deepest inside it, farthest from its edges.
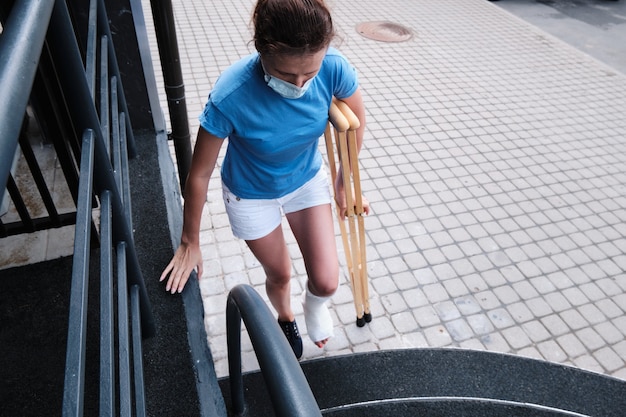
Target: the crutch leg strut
(359, 213)
(342, 225)
(342, 128)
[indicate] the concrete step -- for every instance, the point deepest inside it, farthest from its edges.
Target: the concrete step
(444, 407)
(446, 382)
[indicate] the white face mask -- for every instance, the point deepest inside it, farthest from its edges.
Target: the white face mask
(286, 89)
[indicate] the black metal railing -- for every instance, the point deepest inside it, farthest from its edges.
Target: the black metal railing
(286, 383)
(22, 40)
(105, 145)
(80, 106)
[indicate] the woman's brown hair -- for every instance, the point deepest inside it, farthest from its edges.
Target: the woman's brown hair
(291, 27)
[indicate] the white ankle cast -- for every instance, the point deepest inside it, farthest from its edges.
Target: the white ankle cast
(317, 318)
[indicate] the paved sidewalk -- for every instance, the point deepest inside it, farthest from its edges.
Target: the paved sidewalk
(495, 163)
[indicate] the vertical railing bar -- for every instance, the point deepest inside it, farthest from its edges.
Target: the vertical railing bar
(92, 45)
(123, 332)
(63, 43)
(125, 173)
(19, 204)
(104, 93)
(107, 366)
(103, 22)
(40, 182)
(54, 121)
(115, 137)
(140, 397)
(74, 383)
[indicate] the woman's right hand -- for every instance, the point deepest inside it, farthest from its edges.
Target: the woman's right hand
(186, 258)
(188, 255)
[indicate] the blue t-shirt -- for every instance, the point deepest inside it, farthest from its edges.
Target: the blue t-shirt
(272, 141)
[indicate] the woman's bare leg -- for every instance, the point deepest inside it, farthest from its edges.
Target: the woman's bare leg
(314, 231)
(272, 253)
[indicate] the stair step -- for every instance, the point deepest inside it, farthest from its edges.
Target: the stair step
(459, 375)
(444, 407)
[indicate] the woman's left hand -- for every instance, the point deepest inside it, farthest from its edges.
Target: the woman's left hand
(342, 204)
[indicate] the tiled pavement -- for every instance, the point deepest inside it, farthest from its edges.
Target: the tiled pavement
(495, 162)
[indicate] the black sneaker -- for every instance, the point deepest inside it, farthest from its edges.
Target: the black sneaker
(290, 328)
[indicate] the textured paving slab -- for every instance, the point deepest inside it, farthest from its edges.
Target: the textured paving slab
(495, 165)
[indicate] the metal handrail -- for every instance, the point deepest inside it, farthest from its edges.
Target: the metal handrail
(20, 44)
(286, 383)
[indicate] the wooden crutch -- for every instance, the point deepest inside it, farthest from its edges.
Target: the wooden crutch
(342, 126)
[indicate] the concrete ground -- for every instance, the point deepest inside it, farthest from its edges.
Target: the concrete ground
(495, 163)
(596, 27)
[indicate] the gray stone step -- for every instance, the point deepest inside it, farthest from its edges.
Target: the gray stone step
(445, 381)
(444, 407)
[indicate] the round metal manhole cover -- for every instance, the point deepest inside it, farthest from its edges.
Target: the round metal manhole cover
(384, 31)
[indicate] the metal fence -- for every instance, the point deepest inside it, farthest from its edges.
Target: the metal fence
(80, 107)
(21, 44)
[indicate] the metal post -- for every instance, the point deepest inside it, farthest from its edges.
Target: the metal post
(165, 30)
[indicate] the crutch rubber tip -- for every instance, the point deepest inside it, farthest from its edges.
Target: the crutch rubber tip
(360, 321)
(367, 317)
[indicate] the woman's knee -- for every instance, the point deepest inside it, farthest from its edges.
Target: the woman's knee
(278, 277)
(325, 287)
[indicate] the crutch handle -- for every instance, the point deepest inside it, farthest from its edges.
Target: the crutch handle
(342, 117)
(354, 121)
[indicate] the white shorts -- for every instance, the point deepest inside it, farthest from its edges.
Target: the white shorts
(252, 219)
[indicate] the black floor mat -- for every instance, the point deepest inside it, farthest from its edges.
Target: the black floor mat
(33, 335)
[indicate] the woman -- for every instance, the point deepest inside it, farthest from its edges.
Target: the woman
(273, 107)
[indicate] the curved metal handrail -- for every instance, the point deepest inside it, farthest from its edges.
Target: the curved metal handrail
(286, 383)
(21, 42)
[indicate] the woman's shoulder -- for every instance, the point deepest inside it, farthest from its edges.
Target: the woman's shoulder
(339, 73)
(335, 60)
(235, 76)
(334, 53)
